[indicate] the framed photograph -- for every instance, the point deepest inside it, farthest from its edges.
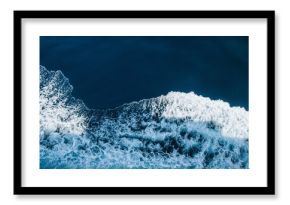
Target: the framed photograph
(144, 102)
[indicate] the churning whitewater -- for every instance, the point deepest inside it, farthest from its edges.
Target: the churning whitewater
(173, 131)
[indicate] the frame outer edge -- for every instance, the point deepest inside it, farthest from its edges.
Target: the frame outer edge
(17, 102)
(270, 189)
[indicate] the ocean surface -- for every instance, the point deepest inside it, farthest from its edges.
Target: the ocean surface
(176, 130)
(108, 71)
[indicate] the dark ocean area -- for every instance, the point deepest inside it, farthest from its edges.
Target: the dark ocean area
(108, 71)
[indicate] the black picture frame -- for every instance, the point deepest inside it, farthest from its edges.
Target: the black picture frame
(19, 189)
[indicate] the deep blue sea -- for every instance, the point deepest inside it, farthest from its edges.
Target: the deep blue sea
(108, 71)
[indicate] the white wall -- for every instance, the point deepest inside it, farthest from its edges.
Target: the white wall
(282, 98)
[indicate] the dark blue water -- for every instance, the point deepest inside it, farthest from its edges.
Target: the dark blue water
(109, 71)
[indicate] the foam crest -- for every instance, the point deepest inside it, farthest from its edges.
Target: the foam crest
(232, 121)
(59, 111)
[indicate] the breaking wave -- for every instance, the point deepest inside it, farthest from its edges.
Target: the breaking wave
(173, 131)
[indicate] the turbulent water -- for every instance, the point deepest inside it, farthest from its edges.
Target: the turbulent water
(173, 131)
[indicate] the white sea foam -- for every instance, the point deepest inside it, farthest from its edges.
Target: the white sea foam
(177, 130)
(56, 113)
(232, 121)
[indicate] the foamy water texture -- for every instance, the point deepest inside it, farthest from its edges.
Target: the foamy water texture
(173, 131)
